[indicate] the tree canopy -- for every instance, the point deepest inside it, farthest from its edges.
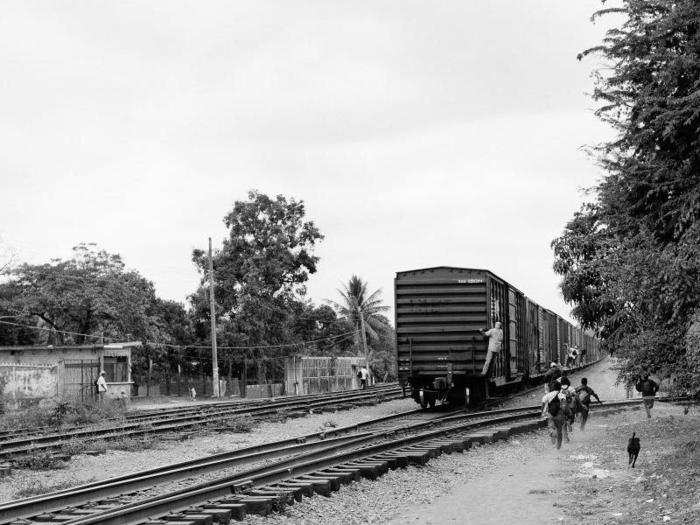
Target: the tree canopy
(91, 293)
(630, 260)
(91, 298)
(260, 275)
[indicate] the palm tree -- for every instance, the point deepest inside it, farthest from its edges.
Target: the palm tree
(364, 311)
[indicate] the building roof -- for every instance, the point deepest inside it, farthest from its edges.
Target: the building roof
(113, 346)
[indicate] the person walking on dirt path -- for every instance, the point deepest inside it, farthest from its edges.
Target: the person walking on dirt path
(101, 384)
(364, 377)
(553, 409)
(585, 393)
(648, 388)
(495, 336)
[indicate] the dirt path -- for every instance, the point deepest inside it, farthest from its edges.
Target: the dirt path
(526, 481)
(588, 480)
(601, 376)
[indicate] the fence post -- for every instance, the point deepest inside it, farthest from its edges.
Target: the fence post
(244, 378)
(179, 378)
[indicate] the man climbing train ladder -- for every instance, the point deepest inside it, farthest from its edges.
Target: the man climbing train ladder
(495, 336)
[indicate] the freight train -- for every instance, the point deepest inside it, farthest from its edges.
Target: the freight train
(441, 313)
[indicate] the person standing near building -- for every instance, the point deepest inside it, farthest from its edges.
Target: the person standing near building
(364, 377)
(585, 393)
(495, 336)
(101, 387)
(648, 388)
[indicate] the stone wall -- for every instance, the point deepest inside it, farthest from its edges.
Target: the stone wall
(26, 384)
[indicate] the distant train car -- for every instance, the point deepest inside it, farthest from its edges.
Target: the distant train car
(441, 313)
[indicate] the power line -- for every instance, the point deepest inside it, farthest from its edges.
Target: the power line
(259, 347)
(170, 345)
(52, 329)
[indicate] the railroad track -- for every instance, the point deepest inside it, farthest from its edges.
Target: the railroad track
(144, 416)
(173, 421)
(259, 479)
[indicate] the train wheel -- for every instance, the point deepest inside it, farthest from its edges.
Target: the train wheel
(431, 400)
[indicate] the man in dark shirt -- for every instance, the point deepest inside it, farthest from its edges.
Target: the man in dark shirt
(552, 374)
(648, 388)
(585, 393)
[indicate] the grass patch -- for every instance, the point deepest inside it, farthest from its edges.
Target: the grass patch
(76, 447)
(239, 424)
(280, 416)
(53, 416)
(38, 488)
(39, 460)
(134, 444)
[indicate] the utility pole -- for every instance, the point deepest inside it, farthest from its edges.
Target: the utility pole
(364, 337)
(212, 315)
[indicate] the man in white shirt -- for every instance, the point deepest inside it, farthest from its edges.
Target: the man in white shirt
(495, 336)
(101, 387)
(364, 377)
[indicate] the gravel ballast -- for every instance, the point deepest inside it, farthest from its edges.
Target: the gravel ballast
(523, 480)
(526, 480)
(84, 468)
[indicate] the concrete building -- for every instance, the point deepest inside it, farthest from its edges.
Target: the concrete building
(29, 374)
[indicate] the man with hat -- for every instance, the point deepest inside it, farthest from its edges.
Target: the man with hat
(101, 387)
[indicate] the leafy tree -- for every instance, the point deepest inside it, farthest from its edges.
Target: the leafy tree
(321, 324)
(92, 293)
(365, 312)
(260, 271)
(630, 260)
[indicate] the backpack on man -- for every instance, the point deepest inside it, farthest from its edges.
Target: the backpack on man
(554, 406)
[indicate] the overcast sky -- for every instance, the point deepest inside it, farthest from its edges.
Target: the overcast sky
(418, 133)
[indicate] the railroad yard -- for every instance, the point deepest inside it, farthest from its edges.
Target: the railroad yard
(329, 263)
(361, 464)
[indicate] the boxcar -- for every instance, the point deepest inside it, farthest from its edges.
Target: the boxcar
(441, 350)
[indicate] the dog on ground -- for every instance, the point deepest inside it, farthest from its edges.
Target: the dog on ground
(633, 448)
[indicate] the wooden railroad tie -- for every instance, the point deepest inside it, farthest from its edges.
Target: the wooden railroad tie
(248, 499)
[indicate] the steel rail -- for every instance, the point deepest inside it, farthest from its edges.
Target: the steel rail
(202, 408)
(49, 441)
(85, 492)
(110, 487)
(180, 500)
(305, 463)
(121, 485)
